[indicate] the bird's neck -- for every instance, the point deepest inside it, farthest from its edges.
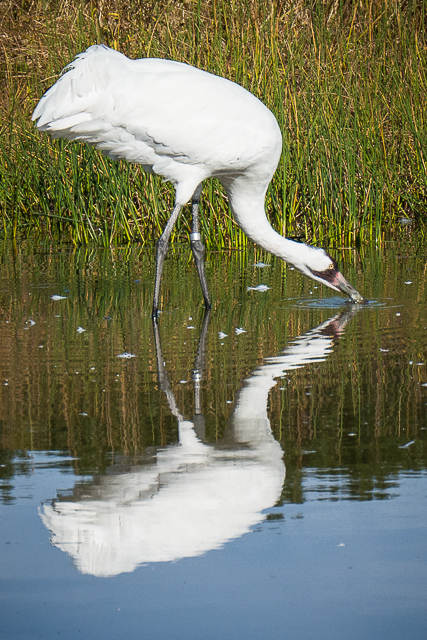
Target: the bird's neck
(248, 207)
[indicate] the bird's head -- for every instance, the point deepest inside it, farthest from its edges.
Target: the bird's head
(317, 264)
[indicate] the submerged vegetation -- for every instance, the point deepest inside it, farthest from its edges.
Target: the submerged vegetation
(346, 80)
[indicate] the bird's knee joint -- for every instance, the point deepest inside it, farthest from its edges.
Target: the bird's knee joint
(197, 247)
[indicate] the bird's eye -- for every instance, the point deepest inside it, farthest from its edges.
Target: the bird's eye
(331, 266)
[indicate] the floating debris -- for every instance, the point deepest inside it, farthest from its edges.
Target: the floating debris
(54, 297)
(126, 355)
(408, 444)
(260, 287)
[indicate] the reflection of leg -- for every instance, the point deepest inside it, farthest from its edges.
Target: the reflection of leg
(162, 375)
(198, 248)
(161, 251)
(197, 376)
(199, 362)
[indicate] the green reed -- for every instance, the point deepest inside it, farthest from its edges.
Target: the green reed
(347, 85)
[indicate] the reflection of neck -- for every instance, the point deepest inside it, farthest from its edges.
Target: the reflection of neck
(250, 418)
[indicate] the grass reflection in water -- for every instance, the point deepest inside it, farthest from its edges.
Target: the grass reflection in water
(66, 390)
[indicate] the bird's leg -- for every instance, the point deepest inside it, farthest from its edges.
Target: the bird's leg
(198, 248)
(161, 251)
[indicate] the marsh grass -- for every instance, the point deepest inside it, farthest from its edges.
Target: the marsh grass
(346, 81)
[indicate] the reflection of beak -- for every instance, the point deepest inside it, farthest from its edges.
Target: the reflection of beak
(343, 285)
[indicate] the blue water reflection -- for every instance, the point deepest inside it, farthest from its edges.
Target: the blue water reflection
(323, 570)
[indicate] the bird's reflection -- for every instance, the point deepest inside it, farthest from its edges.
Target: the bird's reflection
(193, 496)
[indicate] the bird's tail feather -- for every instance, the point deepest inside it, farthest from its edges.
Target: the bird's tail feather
(69, 102)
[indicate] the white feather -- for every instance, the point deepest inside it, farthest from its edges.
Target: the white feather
(182, 123)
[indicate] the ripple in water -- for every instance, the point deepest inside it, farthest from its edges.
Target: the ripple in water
(333, 303)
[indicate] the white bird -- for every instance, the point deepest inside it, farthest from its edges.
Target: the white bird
(186, 125)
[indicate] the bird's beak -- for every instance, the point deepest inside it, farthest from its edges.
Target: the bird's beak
(343, 285)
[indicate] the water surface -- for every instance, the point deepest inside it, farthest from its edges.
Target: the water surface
(257, 470)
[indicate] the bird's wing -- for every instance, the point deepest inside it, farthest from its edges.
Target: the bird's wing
(199, 117)
(162, 114)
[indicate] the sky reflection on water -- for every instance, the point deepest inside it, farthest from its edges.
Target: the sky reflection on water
(323, 569)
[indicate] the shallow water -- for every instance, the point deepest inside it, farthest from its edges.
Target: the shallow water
(257, 470)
